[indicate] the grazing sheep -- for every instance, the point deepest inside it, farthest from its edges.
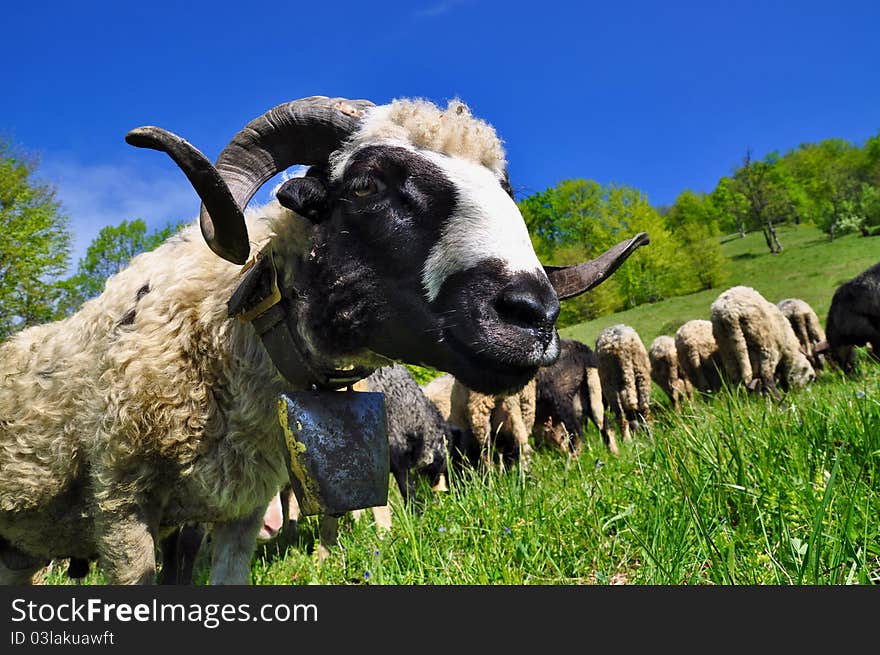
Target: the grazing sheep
(464, 451)
(418, 436)
(666, 371)
(499, 422)
(155, 404)
(806, 327)
(625, 375)
(698, 355)
(757, 343)
(567, 394)
(854, 319)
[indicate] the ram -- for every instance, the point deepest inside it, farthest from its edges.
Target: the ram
(155, 404)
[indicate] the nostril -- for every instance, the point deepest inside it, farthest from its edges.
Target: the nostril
(519, 305)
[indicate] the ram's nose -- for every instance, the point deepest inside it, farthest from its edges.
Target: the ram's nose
(529, 302)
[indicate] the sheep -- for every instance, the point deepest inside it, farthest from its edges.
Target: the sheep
(667, 372)
(463, 451)
(567, 394)
(698, 355)
(625, 376)
(806, 327)
(757, 344)
(501, 423)
(155, 405)
(418, 436)
(854, 319)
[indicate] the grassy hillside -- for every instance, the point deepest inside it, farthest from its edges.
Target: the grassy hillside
(810, 268)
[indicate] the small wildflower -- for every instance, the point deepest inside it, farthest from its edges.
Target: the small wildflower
(366, 575)
(507, 530)
(599, 463)
(375, 553)
(860, 394)
(442, 529)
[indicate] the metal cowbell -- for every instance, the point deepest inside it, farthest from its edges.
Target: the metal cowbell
(338, 449)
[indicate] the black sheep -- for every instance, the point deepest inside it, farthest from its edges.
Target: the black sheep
(568, 394)
(854, 318)
(418, 436)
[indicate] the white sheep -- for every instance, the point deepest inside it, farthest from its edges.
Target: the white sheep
(698, 355)
(807, 327)
(155, 405)
(625, 375)
(666, 371)
(499, 423)
(757, 344)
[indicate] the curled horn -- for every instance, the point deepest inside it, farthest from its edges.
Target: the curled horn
(208, 184)
(304, 131)
(569, 281)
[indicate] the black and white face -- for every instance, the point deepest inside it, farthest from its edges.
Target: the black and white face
(425, 258)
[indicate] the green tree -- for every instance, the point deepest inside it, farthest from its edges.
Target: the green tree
(579, 219)
(831, 174)
(34, 243)
(767, 201)
(693, 221)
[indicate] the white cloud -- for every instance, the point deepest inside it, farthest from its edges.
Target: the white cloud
(96, 195)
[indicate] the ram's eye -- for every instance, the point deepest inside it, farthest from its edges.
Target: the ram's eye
(367, 187)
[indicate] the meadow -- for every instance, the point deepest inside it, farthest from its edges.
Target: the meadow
(810, 267)
(735, 490)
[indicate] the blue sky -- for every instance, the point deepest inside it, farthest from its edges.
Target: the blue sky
(662, 96)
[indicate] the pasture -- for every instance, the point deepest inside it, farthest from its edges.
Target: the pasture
(811, 267)
(736, 490)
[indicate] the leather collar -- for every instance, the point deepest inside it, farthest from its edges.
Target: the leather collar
(258, 300)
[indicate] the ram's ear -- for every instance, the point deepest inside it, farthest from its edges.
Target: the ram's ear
(307, 196)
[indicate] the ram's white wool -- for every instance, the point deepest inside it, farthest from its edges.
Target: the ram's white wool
(486, 224)
(422, 125)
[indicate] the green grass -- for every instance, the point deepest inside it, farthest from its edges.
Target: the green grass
(810, 268)
(736, 490)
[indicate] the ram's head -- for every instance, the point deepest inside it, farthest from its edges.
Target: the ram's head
(419, 254)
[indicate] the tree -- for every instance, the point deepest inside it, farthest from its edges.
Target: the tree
(109, 253)
(34, 243)
(766, 199)
(579, 219)
(831, 173)
(729, 207)
(693, 221)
